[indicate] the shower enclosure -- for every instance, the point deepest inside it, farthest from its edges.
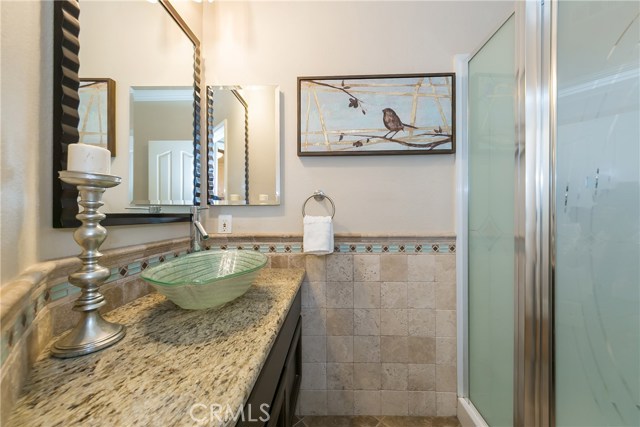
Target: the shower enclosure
(549, 176)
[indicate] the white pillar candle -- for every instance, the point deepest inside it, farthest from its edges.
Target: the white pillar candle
(89, 159)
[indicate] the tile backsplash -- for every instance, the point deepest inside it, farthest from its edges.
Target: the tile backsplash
(378, 318)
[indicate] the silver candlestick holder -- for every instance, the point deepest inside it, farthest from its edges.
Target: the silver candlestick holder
(92, 333)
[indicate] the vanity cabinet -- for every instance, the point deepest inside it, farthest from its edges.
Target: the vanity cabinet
(276, 389)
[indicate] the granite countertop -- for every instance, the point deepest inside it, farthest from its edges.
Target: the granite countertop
(170, 360)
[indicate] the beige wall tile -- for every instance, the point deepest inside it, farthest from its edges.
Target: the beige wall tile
(394, 349)
(394, 376)
(366, 321)
(314, 348)
(421, 377)
(136, 289)
(366, 349)
(62, 317)
(421, 295)
(446, 295)
(445, 268)
(340, 295)
(366, 376)
(340, 349)
(393, 322)
(314, 294)
(339, 268)
(312, 402)
(422, 322)
(15, 371)
(366, 294)
(421, 268)
(314, 321)
(393, 295)
(421, 350)
(279, 261)
(366, 402)
(366, 268)
(339, 321)
(382, 314)
(393, 403)
(340, 402)
(446, 404)
(446, 351)
(445, 323)
(421, 403)
(393, 268)
(340, 376)
(297, 261)
(446, 378)
(314, 376)
(113, 295)
(316, 268)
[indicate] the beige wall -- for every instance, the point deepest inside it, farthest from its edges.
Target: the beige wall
(250, 43)
(26, 234)
(275, 42)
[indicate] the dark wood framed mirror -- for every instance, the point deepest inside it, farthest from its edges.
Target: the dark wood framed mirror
(66, 60)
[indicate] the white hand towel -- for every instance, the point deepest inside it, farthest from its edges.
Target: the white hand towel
(318, 235)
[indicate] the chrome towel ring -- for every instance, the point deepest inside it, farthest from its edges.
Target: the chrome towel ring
(319, 196)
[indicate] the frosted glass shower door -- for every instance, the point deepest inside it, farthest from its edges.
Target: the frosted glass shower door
(492, 147)
(597, 286)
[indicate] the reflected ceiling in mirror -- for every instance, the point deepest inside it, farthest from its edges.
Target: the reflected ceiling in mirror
(243, 145)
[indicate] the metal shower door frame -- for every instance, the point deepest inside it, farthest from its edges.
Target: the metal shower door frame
(535, 106)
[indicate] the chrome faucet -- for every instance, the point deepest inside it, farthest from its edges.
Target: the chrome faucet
(198, 232)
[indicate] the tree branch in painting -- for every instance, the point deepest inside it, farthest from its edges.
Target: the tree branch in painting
(367, 139)
(354, 101)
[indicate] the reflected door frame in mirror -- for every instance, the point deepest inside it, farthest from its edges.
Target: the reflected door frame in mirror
(243, 145)
(66, 46)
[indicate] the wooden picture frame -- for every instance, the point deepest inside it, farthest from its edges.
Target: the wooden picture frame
(376, 115)
(97, 113)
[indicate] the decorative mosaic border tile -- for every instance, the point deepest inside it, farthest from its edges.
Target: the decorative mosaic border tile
(360, 248)
(64, 289)
(22, 323)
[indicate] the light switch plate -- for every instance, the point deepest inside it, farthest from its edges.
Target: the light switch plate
(224, 224)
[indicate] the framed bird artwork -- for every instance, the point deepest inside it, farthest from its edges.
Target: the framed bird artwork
(376, 115)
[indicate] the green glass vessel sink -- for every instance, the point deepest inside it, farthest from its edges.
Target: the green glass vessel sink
(206, 279)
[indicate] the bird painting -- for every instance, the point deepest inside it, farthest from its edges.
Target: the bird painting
(417, 115)
(393, 122)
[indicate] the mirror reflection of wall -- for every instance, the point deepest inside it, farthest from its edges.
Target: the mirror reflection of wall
(161, 117)
(241, 117)
(144, 48)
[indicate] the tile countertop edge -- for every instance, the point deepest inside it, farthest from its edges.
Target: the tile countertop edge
(200, 358)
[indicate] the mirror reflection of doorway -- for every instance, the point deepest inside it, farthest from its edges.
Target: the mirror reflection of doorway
(219, 170)
(170, 172)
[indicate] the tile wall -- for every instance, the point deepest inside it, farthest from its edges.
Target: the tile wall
(379, 333)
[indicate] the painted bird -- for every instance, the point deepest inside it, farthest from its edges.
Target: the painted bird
(393, 122)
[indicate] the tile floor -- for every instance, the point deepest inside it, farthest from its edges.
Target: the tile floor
(370, 421)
